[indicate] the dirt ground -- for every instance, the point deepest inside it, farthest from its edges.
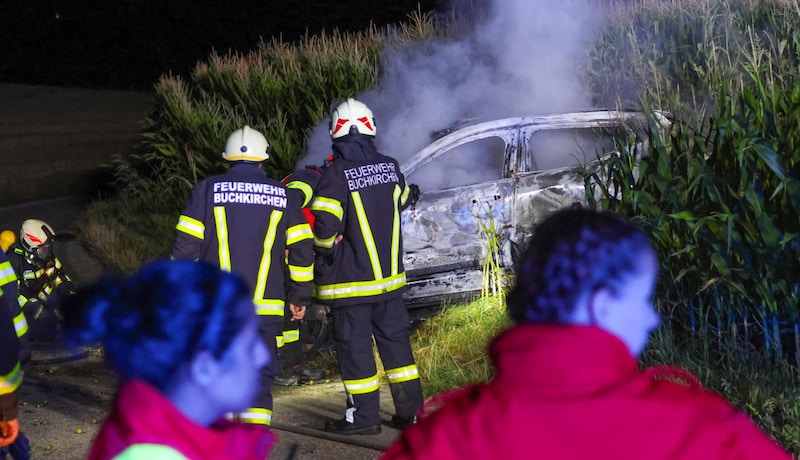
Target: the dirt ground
(46, 133)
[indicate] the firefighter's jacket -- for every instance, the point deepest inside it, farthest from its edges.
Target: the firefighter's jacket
(303, 182)
(244, 222)
(39, 280)
(359, 197)
(9, 285)
(10, 375)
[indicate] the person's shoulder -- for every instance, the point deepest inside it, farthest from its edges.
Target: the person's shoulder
(150, 452)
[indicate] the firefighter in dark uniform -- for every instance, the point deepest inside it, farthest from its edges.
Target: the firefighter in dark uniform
(247, 223)
(359, 271)
(290, 347)
(10, 374)
(43, 282)
(20, 447)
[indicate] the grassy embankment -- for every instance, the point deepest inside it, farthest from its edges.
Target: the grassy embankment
(718, 194)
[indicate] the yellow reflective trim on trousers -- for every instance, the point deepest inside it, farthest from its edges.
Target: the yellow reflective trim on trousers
(256, 416)
(366, 233)
(402, 374)
(266, 259)
(223, 250)
(297, 233)
(360, 288)
(7, 274)
(11, 381)
(362, 386)
(325, 242)
(22, 300)
(191, 227)
(304, 188)
(328, 205)
(279, 341)
(395, 233)
(21, 325)
(270, 307)
(301, 274)
(149, 451)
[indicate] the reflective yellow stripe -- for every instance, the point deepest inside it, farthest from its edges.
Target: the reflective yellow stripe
(402, 374)
(360, 288)
(297, 233)
(395, 268)
(325, 242)
(279, 341)
(405, 195)
(223, 250)
(328, 205)
(266, 259)
(11, 381)
(22, 300)
(366, 233)
(299, 274)
(20, 324)
(362, 386)
(7, 274)
(291, 335)
(256, 416)
(304, 188)
(269, 307)
(191, 227)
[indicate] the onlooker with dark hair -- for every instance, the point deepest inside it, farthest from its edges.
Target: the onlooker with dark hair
(567, 384)
(180, 336)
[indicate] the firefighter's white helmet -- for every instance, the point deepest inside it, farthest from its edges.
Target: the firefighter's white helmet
(352, 117)
(36, 236)
(246, 144)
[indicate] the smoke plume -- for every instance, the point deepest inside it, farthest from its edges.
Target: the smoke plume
(516, 57)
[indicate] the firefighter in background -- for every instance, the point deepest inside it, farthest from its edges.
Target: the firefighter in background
(20, 448)
(359, 271)
(43, 283)
(290, 345)
(10, 376)
(247, 223)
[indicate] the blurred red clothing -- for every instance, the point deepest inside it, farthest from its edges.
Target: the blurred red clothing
(573, 392)
(142, 416)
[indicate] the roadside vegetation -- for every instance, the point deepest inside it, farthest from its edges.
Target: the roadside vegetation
(719, 193)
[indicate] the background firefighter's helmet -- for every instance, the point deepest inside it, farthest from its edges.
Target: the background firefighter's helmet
(246, 144)
(37, 237)
(352, 117)
(7, 238)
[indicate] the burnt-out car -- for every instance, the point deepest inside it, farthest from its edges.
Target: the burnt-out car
(500, 177)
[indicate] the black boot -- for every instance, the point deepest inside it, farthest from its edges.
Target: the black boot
(342, 426)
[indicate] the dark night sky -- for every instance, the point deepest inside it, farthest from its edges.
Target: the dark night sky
(128, 44)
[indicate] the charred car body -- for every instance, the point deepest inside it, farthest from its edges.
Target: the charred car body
(504, 175)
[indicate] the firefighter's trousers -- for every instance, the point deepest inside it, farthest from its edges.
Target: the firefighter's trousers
(261, 412)
(353, 329)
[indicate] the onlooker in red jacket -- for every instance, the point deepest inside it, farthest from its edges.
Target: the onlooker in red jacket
(567, 386)
(180, 336)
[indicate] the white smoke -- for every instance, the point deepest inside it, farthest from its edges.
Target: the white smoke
(521, 57)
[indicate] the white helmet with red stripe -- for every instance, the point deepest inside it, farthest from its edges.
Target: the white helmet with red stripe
(352, 117)
(37, 237)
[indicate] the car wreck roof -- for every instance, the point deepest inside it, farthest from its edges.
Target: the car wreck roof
(502, 127)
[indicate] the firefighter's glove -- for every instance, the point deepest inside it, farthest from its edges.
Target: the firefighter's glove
(9, 430)
(413, 196)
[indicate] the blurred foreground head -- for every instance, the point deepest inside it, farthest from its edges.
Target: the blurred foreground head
(156, 324)
(591, 268)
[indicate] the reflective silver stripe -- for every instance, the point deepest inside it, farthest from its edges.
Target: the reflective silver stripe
(362, 386)
(11, 381)
(402, 374)
(366, 233)
(256, 416)
(191, 226)
(360, 288)
(223, 250)
(7, 274)
(20, 324)
(269, 307)
(297, 273)
(297, 233)
(304, 188)
(325, 242)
